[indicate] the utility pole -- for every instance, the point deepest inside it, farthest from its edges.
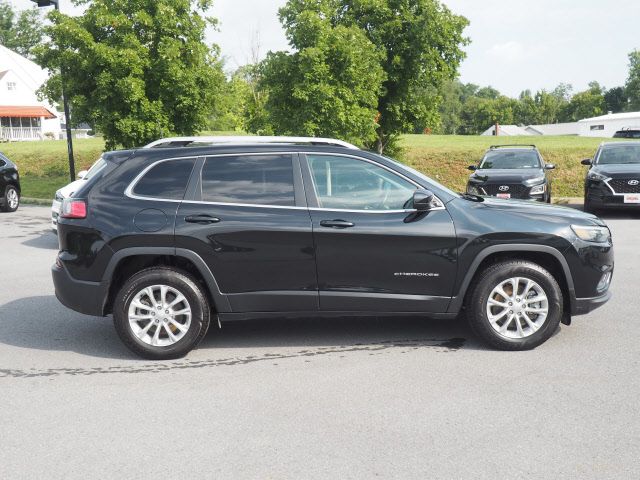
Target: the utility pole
(67, 116)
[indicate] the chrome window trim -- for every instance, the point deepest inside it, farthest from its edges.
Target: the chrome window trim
(355, 157)
(129, 190)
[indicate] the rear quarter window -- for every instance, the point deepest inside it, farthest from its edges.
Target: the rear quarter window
(166, 180)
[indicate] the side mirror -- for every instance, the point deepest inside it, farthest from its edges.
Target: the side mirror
(550, 166)
(422, 200)
(82, 174)
(586, 161)
(473, 168)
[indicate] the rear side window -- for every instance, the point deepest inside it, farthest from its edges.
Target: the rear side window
(166, 180)
(249, 179)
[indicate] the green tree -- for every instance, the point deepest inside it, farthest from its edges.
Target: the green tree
(633, 81)
(329, 85)
(135, 71)
(450, 108)
(616, 99)
(587, 104)
(478, 113)
(20, 32)
(417, 45)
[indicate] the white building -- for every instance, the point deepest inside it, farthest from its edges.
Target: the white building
(22, 115)
(506, 131)
(606, 125)
(550, 129)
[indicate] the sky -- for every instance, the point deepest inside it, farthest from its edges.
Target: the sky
(515, 44)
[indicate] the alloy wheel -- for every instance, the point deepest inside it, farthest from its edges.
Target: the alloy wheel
(517, 307)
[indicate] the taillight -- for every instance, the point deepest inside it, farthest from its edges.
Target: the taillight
(73, 208)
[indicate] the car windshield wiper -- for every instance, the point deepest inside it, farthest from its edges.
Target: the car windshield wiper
(471, 196)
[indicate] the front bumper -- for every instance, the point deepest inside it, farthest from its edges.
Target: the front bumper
(600, 195)
(78, 295)
(515, 192)
(583, 306)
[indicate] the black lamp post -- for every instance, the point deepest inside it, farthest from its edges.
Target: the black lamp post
(72, 164)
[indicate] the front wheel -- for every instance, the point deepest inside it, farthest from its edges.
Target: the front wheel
(161, 313)
(11, 199)
(515, 305)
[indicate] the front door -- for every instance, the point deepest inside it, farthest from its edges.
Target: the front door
(373, 252)
(250, 224)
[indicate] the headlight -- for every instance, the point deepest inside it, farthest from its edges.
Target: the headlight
(538, 189)
(534, 181)
(474, 190)
(592, 234)
(598, 177)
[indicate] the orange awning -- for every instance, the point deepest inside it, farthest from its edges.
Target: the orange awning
(25, 112)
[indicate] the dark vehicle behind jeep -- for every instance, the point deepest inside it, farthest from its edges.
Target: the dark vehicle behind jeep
(9, 185)
(613, 178)
(512, 171)
(169, 239)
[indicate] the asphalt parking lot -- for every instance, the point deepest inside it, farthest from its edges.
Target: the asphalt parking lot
(341, 398)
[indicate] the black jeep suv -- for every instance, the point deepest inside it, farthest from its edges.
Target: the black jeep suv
(613, 179)
(9, 185)
(166, 239)
(512, 171)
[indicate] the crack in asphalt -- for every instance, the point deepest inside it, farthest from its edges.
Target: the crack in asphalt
(447, 345)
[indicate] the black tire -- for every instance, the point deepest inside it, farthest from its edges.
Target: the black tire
(184, 284)
(8, 191)
(481, 289)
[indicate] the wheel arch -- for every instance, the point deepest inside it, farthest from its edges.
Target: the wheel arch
(129, 261)
(547, 257)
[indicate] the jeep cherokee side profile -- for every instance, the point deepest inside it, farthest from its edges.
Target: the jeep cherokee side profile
(170, 237)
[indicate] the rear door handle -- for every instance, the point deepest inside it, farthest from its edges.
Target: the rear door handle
(336, 224)
(201, 219)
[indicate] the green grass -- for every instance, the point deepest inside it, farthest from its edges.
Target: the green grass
(43, 165)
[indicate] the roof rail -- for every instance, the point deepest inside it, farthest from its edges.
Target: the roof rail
(240, 139)
(493, 147)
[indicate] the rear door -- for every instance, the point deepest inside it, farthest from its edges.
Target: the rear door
(373, 252)
(248, 220)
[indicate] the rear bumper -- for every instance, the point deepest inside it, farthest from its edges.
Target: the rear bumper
(83, 297)
(586, 305)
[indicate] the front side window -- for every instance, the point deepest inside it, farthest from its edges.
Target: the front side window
(166, 180)
(350, 184)
(511, 160)
(265, 180)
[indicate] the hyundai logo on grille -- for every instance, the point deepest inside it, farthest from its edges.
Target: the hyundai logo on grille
(503, 188)
(633, 182)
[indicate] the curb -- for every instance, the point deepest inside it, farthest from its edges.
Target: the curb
(35, 201)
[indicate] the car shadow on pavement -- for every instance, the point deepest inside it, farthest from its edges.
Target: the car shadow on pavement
(610, 214)
(45, 239)
(43, 323)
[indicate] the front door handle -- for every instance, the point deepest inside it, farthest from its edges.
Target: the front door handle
(336, 224)
(201, 219)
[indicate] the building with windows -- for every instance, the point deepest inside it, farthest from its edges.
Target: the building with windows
(23, 116)
(606, 125)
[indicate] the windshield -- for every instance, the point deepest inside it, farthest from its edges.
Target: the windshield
(95, 168)
(511, 160)
(619, 154)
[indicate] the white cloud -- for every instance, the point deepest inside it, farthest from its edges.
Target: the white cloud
(510, 51)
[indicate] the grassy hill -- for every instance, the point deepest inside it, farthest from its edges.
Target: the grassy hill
(43, 165)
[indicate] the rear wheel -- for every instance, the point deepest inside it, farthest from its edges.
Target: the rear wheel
(161, 313)
(11, 199)
(515, 305)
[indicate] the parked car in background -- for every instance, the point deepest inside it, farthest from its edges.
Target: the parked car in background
(613, 179)
(631, 132)
(512, 171)
(9, 185)
(68, 190)
(170, 239)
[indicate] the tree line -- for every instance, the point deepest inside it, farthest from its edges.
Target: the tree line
(363, 71)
